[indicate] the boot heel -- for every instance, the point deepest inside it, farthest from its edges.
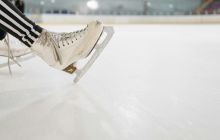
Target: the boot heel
(70, 69)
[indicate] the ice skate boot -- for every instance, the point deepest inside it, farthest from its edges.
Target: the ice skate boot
(59, 50)
(63, 50)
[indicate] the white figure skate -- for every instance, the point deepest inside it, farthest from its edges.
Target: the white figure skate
(64, 50)
(15, 51)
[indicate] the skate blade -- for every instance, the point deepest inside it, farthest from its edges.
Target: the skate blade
(97, 51)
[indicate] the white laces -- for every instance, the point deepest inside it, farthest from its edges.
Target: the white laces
(10, 55)
(70, 38)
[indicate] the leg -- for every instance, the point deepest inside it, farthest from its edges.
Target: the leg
(17, 24)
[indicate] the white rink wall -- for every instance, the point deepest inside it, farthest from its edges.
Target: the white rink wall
(82, 19)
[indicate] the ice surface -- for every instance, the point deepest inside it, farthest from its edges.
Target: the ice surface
(152, 82)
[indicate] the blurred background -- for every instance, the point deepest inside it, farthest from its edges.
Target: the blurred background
(124, 11)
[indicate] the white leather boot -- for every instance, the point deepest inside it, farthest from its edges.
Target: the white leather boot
(59, 50)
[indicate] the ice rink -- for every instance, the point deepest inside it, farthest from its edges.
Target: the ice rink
(152, 82)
